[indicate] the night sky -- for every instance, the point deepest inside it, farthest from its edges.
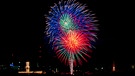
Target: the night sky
(22, 27)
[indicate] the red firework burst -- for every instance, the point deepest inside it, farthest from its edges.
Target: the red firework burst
(75, 41)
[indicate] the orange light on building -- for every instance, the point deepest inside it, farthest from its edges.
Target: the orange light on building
(27, 67)
(113, 67)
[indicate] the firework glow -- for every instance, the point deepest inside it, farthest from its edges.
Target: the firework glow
(71, 29)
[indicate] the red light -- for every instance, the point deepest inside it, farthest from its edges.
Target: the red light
(75, 41)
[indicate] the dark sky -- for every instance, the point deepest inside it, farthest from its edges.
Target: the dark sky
(22, 27)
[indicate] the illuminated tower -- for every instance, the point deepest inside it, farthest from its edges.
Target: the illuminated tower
(27, 67)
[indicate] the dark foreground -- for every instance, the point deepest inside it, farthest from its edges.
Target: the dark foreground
(65, 74)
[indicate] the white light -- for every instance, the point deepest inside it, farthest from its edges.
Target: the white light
(96, 68)
(65, 23)
(102, 68)
(132, 66)
(113, 68)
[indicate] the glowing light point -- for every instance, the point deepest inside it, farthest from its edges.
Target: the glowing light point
(65, 23)
(133, 66)
(113, 67)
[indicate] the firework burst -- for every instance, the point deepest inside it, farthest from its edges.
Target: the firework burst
(71, 28)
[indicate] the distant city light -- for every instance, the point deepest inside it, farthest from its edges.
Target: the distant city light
(12, 64)
(96, 68)
(27, 67)
(102, 68)
(133, 66)
(113, 67)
